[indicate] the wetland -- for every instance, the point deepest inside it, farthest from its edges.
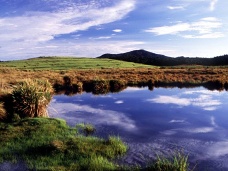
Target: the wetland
(145, 112)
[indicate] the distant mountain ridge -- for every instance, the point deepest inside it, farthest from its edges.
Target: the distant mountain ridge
(145, 57)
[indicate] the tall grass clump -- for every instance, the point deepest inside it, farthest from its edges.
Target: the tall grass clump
(178, 162)
(117, 147)
(31, 97)
(88, 129)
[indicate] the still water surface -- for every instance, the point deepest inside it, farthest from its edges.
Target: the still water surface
(193, 120)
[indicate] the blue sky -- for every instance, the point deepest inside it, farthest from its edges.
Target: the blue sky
(90, 28)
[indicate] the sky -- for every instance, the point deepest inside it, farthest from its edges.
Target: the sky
(90, 28)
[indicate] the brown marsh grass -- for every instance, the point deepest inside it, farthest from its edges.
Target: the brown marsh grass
(133, 76)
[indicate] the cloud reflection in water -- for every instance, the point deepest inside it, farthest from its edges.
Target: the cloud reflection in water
(75, 113)
(205, 100)
(218, 149)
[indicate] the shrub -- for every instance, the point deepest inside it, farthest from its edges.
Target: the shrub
(31, 97)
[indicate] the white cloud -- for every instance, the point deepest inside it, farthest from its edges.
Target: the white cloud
(177, 121)
(218, 149)
(101, 37)
(117, 30)
(205, 36)
(43, 26)
(214, 93)
(204, 101)
(175, 7)
(209, 4)
(213, 123)
(119, 102)
(204, 28)
(76, 48)
(171, 100)
(35, 28)
(213, 4)
(174, 29)
(200, 130)
(132, 89)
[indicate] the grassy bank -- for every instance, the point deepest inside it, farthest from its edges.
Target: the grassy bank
(49, 144)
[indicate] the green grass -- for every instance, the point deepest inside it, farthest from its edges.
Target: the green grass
(67, 63)
(49, 144)
(176, 162)
(88, 129)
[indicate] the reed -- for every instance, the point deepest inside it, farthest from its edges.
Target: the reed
(31, 97)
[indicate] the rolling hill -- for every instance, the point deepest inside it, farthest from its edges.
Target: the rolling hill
(69, 63)
(149, 58)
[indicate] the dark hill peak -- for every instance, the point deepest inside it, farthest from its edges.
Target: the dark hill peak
(138, 56)
(149, 58)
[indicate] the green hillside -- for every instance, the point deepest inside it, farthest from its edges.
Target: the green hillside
(67, 63)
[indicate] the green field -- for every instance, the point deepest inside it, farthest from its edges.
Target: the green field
(67, 63)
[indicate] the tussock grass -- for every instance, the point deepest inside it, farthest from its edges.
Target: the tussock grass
(49, 144)
(31, 97)
(177, 162)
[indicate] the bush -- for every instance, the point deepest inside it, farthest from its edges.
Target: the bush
(31, 97)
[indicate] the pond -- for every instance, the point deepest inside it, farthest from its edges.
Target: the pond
(162, 121)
